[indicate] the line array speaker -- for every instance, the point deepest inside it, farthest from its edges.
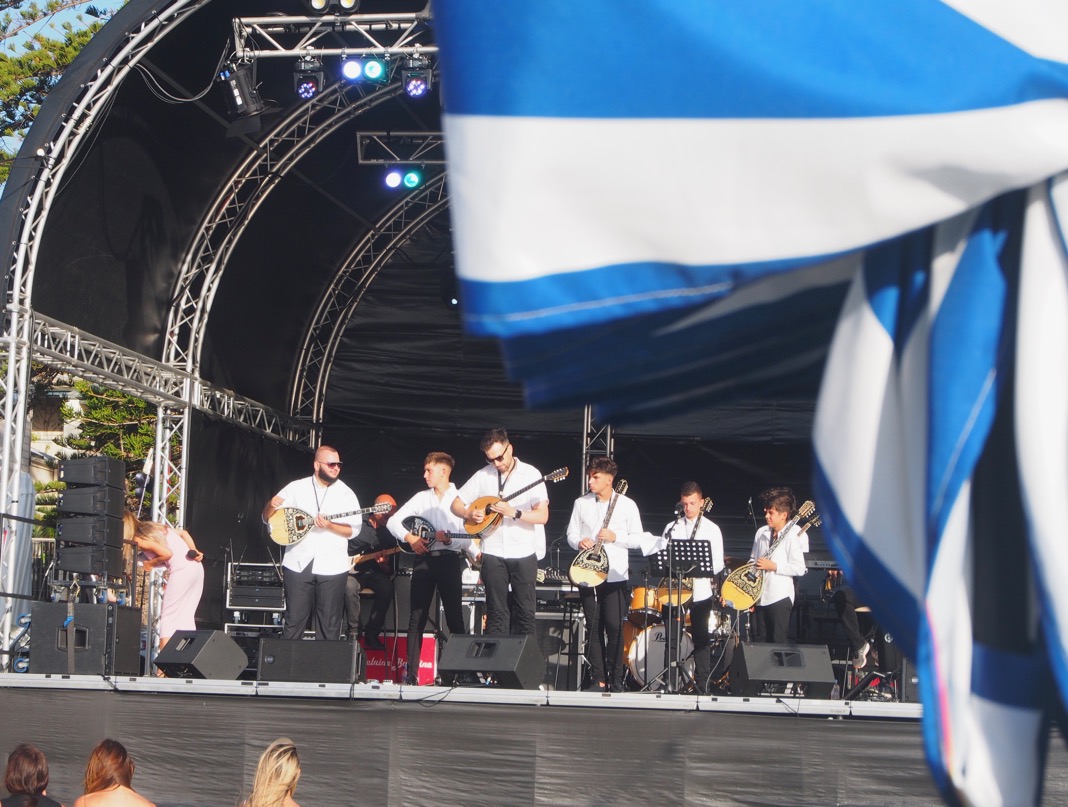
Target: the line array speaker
(202, 654)
(515, 662)
(765, 668)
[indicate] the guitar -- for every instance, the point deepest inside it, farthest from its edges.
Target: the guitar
(742, 588)
(419, 526)
(590, 568)
(356, 560)
(288, 525)
(492, 519)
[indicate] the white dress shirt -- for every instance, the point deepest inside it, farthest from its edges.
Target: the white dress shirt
(789, 559)
(707, 530)
(327, 552)
(587, 519)
(427, 505)
(511, 539)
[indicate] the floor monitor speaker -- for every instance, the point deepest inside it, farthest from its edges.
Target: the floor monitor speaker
(769, 669)
(314, 661)
(103, 639)
(202, 654)
(514, 662)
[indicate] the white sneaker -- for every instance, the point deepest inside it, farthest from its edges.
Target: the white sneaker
(861, 658)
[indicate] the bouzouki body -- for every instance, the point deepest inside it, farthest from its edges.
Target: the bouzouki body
(288, 525)
(417, 525)
(743, 587)
(493, 518)
(590, 567)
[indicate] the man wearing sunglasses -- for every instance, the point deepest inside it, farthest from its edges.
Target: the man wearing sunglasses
(511, 550)
(315, 570)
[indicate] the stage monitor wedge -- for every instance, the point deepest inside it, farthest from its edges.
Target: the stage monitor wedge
(310, 661)
(511, 662)
(781, 669)
(209, 654)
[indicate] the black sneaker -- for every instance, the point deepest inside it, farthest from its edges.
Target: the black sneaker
(373, 643)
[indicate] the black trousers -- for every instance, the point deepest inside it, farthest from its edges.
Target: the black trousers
(381, 585)
(519, 615)
(699, 614)
(307, 593)
(440, 572)
(605, 608)
(771, 623)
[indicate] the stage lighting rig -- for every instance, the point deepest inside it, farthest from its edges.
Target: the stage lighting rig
(365, 68)
(405, 178)
(416, 76)
(308, 77)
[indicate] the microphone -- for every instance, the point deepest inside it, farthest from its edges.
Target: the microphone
(678, 509)
(752, 515)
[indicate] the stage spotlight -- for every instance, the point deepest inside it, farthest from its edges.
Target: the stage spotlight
(352, 69)
(323, 6)
(239, 83)
(394, 177)
(416, 76)
(308, 77)
(406, 178)
(375, 70)
(412, 178)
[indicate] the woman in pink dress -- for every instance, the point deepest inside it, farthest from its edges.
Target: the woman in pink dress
(163, 545)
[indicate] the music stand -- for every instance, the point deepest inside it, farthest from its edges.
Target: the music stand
(680, 558)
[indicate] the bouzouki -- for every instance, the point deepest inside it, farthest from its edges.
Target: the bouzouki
(741, 590)
(289, 525)
(419, 526)
(492, 519)
(590, 568)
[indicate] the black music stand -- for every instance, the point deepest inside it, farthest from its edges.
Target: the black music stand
(679, 559)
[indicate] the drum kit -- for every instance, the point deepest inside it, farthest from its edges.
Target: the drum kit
(653, 613)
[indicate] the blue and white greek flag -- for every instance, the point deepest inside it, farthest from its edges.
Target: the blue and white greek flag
(658, 203)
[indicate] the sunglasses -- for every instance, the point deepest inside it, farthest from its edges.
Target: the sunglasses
(332, 464)
(499, 457)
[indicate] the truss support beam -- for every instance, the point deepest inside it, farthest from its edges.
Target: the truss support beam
(389, 148)
(597, 441)
(360, 34)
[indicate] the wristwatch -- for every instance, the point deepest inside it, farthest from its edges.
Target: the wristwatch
(518, 515)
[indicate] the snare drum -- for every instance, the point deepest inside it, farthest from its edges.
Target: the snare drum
(645, 656)
(644, 610)
(673, 595)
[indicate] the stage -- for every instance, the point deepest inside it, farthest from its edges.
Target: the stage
(196, 742)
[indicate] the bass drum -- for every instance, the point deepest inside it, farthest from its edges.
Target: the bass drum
(645, 654)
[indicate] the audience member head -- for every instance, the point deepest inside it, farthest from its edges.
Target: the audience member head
(109, 765)
(27, 772)
(276, 775)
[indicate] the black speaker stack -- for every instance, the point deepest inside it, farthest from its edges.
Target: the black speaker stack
(89, 530)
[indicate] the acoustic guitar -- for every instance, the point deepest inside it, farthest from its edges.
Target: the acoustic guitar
(288, 525)
(420, 527)
(590, 567)
(492, 519)
(742, 588)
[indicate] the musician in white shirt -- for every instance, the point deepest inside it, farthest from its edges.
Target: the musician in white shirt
(692, 525)
(786, 561)
(613, 519)
(315, 570)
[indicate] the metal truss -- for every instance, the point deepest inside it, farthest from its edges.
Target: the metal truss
(382, 35)
(55, 157)
(236, 202)
(597, 441)
(347, 289)
(388, 148)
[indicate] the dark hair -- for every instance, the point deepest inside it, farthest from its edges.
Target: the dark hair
(108, 765)
(780, 499)
(602, 465)
(498, 435)
(27, 773)
(439, 457)
(689, 488)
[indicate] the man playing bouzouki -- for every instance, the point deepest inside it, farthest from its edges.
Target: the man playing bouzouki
(439, 567)
(619, 526)
(315, 569)
(511, 551)
(771, 618)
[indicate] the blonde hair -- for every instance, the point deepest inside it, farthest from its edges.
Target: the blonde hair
(276, 775)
